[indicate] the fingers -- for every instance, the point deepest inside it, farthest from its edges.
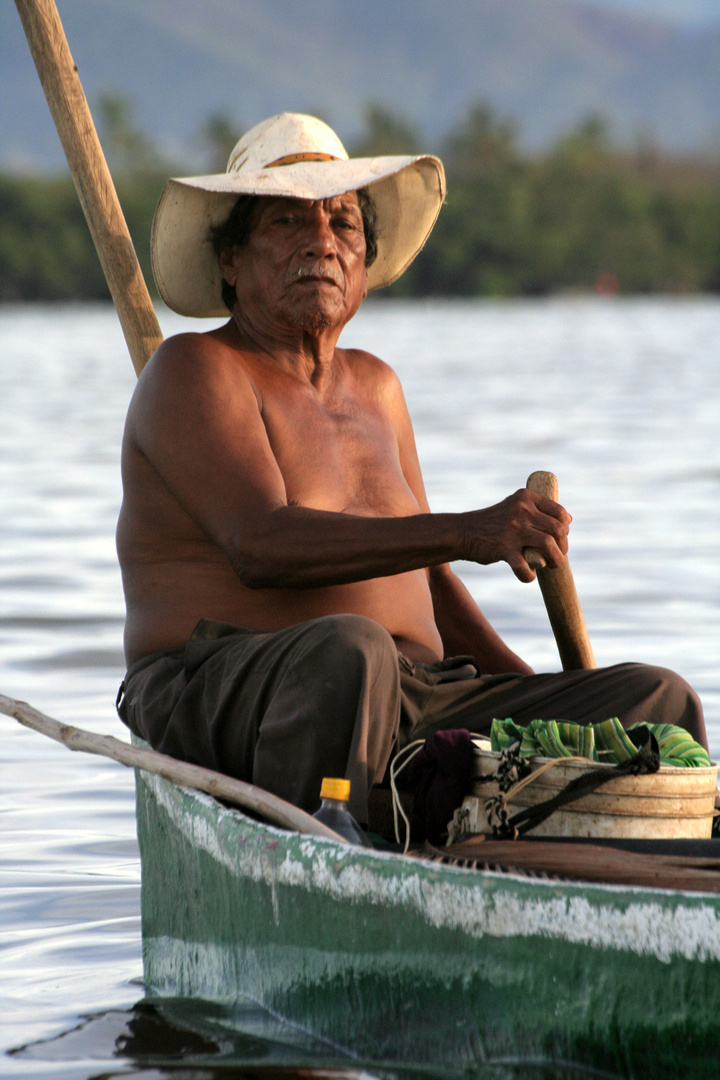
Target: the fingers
(523, 520)
(556, 513)
(549, 543)
(552, 528)
(522, 571)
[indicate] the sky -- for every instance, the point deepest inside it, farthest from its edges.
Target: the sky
(690, 13)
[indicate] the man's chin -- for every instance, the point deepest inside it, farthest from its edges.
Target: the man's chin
(319, 317)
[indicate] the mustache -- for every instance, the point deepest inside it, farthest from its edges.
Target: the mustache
(314, 270)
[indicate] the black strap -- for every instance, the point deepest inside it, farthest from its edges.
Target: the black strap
(647, 760)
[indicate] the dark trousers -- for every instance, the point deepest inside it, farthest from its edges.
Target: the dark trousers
(331, 697)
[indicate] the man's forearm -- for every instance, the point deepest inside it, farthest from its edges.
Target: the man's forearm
(301, 548)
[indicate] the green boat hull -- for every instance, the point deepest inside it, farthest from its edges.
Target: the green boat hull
(394, 959)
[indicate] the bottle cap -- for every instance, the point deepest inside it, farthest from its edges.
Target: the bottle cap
(334, 788)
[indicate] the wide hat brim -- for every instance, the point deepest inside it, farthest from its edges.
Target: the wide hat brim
(407, 191)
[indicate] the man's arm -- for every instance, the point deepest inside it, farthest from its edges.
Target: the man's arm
(198, 421)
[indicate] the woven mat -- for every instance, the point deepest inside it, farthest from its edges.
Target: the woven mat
(692, 866)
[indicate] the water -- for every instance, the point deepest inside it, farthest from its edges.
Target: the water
(619, 398)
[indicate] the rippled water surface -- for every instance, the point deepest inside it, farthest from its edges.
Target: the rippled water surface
(619, 398)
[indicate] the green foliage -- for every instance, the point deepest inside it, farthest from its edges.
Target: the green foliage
(128, 151)
(46, 252)
(585, 215)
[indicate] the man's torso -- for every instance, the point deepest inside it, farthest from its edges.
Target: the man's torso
(337, 451)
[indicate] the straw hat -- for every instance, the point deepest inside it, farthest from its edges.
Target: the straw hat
(295, 156)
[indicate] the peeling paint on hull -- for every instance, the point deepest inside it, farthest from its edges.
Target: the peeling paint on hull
(407, 961)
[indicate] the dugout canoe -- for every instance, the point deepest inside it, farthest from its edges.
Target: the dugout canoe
(412, 962)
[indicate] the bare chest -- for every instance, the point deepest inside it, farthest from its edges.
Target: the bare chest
(340, 455)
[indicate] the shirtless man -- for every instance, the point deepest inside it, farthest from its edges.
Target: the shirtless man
(289, 595)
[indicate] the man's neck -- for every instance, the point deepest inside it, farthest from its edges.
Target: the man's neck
(309, 353)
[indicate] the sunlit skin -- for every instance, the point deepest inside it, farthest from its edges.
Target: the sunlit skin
(272, 477)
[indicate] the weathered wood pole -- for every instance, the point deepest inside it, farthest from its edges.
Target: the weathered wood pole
(61, 83)
(559, 593)
(268, 806)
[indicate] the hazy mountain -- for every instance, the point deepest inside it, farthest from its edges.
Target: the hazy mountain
(546, 63)
(687, 13)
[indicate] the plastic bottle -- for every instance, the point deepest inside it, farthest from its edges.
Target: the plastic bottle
(334, 811)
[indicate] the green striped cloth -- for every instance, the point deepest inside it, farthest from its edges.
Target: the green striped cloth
(606, 742)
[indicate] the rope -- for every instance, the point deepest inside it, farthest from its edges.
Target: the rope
(396, 768)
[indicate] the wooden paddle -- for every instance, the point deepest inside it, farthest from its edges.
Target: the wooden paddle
(61, 83)
(559, 593)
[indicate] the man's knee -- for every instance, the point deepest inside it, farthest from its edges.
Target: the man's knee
(675, 691)
(660, 682)
(354, 642)
(356, 679)
(337, 714)
(660, 695)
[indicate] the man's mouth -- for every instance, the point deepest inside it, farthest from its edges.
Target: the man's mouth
(315, 275)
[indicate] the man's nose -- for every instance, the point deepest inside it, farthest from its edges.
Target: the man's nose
(320, 239)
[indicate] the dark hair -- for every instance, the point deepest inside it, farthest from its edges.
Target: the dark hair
(368, 210)
(236, 228)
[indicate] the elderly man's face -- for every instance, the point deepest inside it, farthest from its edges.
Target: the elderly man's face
(303, 264)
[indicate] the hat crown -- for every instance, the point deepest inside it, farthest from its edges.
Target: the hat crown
(282, 139)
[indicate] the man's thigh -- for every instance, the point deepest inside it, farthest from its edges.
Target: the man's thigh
(635, 693)
(205, 703)
(268, 706)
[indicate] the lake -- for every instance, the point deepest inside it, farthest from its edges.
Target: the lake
(619, 397)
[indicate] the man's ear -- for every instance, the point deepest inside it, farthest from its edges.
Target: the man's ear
(227, 261)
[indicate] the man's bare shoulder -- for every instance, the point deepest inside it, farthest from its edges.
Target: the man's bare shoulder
(370, 369)
(189, 367)
(194, 387)
(377, 379)
(360, 359)
(202, 351)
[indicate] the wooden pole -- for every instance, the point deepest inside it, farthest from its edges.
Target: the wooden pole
(559, 593)
(61, 83)
(268, 806)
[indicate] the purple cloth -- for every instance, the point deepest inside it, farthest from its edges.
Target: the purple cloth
(440, 775)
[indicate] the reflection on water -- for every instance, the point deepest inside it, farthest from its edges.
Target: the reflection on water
(203, 1041)
(153, 1035)
(620, 399)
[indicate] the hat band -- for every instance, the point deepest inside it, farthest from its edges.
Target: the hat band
(291, 159)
